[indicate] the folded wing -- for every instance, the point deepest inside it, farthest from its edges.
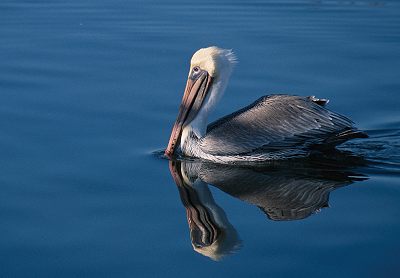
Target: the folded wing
(278, 122)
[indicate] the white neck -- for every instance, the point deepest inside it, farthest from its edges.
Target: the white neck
(199, 123)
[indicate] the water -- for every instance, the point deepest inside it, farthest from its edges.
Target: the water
(88, 94)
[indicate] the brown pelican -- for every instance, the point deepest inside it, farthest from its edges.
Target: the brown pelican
(273, 127)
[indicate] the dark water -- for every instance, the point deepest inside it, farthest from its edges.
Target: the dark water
(89, 91)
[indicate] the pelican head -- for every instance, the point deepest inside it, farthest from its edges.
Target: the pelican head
(209, 72)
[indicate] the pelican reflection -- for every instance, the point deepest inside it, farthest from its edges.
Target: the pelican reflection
(283, 191)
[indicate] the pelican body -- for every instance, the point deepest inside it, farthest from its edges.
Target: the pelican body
(273, 127)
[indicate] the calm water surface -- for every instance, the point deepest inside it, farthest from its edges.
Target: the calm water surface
(89, 91)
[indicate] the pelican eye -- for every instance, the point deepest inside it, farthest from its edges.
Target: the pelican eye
(196, 69)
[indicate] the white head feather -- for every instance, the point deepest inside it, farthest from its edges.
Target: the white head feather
(214, 60)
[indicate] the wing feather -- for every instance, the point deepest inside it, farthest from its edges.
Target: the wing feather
(274, 122)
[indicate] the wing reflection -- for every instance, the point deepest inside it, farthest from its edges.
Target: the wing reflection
(283, 191)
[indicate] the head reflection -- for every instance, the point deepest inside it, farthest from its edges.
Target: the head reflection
(283, 191)
(211, 233)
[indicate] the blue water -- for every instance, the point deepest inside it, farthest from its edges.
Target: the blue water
(88, 94)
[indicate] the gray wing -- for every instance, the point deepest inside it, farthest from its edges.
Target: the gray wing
(277, 122)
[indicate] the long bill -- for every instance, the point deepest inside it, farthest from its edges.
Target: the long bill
(195, 93)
